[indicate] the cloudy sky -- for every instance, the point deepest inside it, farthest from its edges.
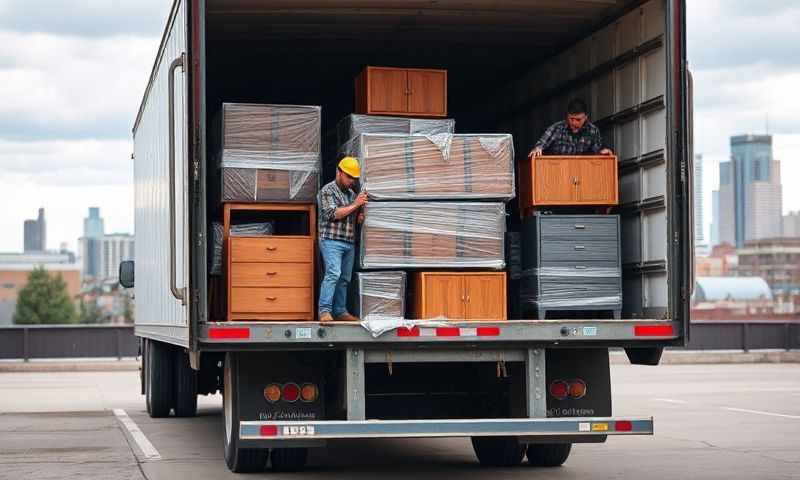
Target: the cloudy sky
(72, 74)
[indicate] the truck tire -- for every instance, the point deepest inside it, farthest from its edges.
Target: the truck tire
(548, 454)
(498, 451)
(239, 460)
(185, 386)
(160, 374)
(289, 459)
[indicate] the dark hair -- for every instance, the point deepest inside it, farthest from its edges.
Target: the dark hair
(576, 105)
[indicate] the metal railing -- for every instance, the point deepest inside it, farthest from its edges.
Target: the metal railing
(28, 342)
(118, 341)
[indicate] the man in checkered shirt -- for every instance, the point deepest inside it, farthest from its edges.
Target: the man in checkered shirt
(339, 209)
(573, 136)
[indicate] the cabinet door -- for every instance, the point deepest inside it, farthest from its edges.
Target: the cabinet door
(387, 90)
(444, 296)
(485, 297)
(597, 181)
(427, 92)
(554, 181)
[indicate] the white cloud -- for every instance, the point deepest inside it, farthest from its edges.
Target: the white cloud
(71, 87)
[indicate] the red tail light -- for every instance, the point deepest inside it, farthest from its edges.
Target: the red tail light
(269, 430)
(291, 392)
(309, 392)
(623, 426)
(559, 389)
(577, 388)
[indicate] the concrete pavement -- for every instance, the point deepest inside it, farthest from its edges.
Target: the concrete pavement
(712, 422)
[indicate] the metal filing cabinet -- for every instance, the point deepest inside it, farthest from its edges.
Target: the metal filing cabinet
(571, 263)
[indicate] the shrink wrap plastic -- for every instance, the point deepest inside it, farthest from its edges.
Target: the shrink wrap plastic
(381, 295)
(570, 287)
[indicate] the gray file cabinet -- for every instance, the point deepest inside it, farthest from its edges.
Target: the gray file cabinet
(571, 263)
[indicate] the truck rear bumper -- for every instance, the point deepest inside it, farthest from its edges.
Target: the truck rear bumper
(530, 428)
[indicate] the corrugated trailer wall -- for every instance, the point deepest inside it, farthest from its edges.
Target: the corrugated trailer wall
(620, 71)
(158, 313)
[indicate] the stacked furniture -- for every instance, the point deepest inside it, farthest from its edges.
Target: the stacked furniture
(270, 161)
(571, 260)
(380, 295)
(437, 199)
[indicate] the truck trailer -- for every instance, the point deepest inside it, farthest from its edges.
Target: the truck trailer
(521, 387)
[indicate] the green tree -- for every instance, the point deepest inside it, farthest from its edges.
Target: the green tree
(90, 312)
(44, 300)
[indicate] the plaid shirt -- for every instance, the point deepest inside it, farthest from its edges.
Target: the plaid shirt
(558, 139)
(329, 198)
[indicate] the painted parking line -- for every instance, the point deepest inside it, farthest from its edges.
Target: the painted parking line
(147, 448)
(758, 412)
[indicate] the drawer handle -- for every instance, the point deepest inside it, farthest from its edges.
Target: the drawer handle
(580, 227)
(271, 273)
(271, 249)
(580, 247)
(272, 299)
(580, 267)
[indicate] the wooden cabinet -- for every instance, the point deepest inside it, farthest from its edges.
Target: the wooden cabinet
(271, 277)
(458, 295)
(589, 180)
(402, 91)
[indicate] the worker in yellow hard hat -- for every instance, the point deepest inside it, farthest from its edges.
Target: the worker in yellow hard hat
(339, 210)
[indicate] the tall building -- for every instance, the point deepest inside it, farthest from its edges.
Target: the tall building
(90, 243)
(776, 260)
(750, 195)
(35, 234)
(699, 234)
(791, 224)
(93, 225)
(714, 230)
(115, 248)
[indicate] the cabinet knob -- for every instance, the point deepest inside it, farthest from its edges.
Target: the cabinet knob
(271, 273)
(271, 249)
(272, 299)
(580, 247)
(580, 227)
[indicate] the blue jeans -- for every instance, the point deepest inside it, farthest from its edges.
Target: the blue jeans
(338, 257)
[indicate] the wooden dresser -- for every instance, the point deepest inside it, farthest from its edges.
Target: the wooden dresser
(581, 180)
(402, 91)
(458, 295)
(271, 277)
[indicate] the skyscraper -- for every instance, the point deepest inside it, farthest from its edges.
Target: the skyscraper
(714, 233)
(91, 244)
(699, 224)
(35, 234)
(750, 191)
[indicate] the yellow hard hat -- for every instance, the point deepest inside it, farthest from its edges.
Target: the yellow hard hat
(349, 165)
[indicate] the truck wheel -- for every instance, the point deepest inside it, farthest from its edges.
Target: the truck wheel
(548, 454)
(185, 386)
(159, 375)
(289, 459)
(498, 451)
(239, 460)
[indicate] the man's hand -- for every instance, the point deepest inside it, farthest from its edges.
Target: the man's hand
(535, 153)
(361, 199)
(606, 151)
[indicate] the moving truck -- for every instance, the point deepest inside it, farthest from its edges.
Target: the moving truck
(521, 387)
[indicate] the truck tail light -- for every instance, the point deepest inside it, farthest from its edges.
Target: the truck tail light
(623, 426)
(577, 388)
(272, 393)
(291, 392)
(268, 430)
(309, 392)
(559, 389)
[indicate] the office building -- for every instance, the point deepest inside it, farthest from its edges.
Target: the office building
(35, 234)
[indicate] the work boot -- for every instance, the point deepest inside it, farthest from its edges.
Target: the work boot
(325, 317)
(346, 317)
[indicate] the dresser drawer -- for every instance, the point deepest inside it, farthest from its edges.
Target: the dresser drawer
(577, 227)
(271, 300)
(271, 249)
(579, 250)
(271, 275)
